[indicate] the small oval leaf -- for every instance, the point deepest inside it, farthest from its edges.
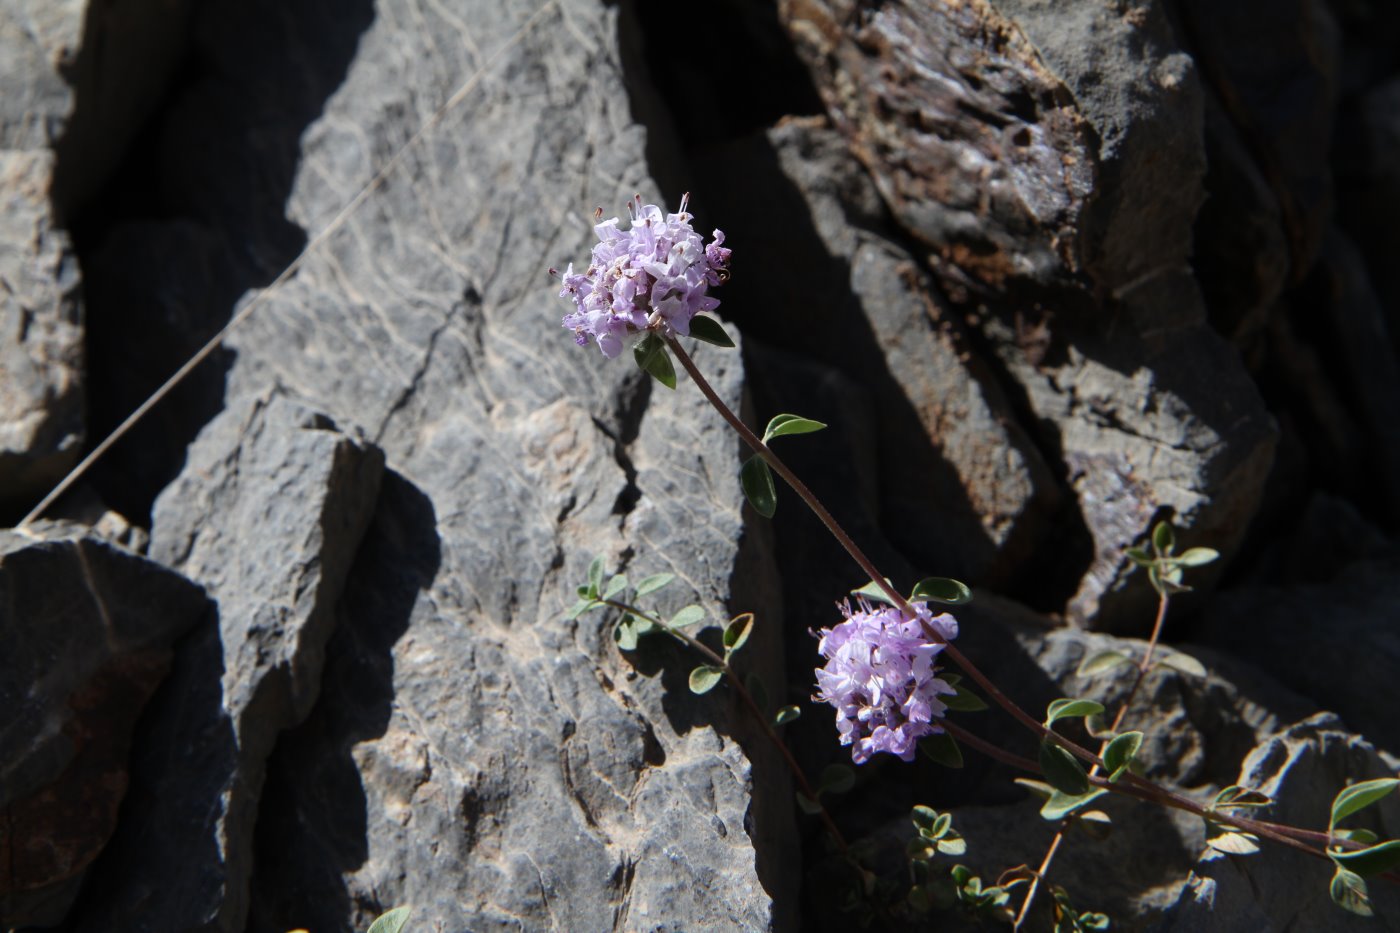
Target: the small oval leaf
(1070, 708)
(1101, 662)
(595, 577)
(786, 715)
(942, 749)
(1198, 556)
(757, 481)
(1039, 788)
(780, 425)
(1359, 796)
(736, 633)
(1119, 753)
(653, 583)
(952, 845)
(1062, 770)
(873, 592)
(941, 590)
(579, 608)
(808, 805)
(964, 701)
(1349, 892)
(391, 921)
(704, 678)
(651, 356)
(1237, 796)
(625, 634)
(616, 585)
(687, 616)
(1180, 661)
(1061, 805)
(706, 328)
(1163, 538)
(1369, 861)
(1234, 843)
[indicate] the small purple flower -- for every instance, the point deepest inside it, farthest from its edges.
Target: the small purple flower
(656, 274)
(881, 678)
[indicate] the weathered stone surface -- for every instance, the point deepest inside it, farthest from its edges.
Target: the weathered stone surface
(472, 753)
(267, 516)
(88, 630)
(1335, 642)
(1302, 768)
(1019, 140)
(979, 480)
(41, 337)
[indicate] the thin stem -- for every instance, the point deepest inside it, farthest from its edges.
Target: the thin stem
(743, 691)
(1142, 668)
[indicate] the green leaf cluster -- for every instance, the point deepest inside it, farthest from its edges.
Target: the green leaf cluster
(944, 590)
(1373, 857)
(1070, 920)
(1164, 566)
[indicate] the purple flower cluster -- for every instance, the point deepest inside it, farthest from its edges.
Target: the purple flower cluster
(881, 678)
(656, 274)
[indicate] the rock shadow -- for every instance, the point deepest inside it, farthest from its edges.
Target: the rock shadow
(313, 822)
(191, 215)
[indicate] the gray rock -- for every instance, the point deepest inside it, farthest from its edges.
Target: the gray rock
(41, 335)
(473, 754)
(1302, 769)
(980, 480)
(267, 516)
(89, 631)
(1335, 642)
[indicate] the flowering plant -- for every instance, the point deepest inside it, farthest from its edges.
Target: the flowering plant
(656, 274)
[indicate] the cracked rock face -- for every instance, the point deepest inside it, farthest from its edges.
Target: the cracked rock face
(89, 630)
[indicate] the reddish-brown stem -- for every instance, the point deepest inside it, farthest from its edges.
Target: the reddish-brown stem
(759, 716)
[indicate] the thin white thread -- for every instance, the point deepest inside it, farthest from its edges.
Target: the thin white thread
(217, 340)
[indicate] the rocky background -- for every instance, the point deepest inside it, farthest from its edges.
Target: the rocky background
(295, 652)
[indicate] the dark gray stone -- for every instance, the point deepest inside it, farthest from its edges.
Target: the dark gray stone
(979, 480)
(88, 630)
(267, 516)
(1336, 642)
(1302, 769)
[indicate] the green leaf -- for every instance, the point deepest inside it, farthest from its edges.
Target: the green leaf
(1197, 556)
(704, 678)
(1062, 770)
(874, 592)
(808, 805)
(625, 634)
(595, 577)
(687, 616)
(1119, 753)
(1097, 726)
(786, 715)
(926, 819)
(1234, 843)
(1180, 661)
(1370, 861)
(579, 608)
(1359, 796)
(1349, 892)
(1061, 805)
(780, 425)
(1070, 708)
(1094, 922)
(1140, 557)
(836, 779)
(1237, 796)
(942, 590)
(754, 684)
(651, 356)
(953, 845)
(391, 922)
(757, 481)
(1101, 662)
(1163, 539)
(703, 327)
(964, 701)
(616, 585)
(737, 632)
(1038, 788)
(1363, 836)
(942, 749)
(653, 583)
